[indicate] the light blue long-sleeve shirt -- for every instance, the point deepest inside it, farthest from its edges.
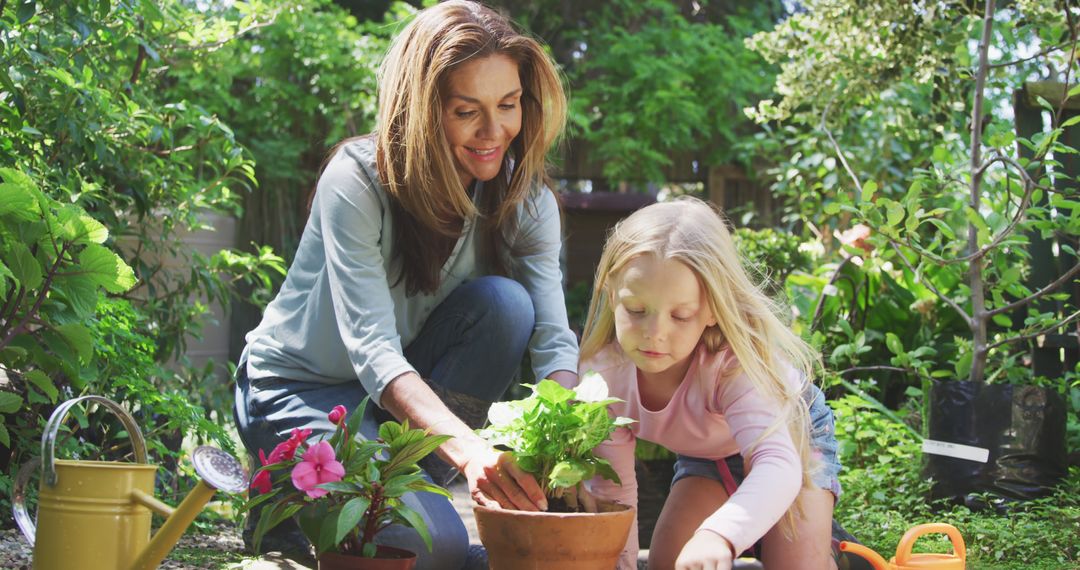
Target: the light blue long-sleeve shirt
(338, 319)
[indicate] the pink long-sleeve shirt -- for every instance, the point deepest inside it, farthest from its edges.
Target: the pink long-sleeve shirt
(714, 413)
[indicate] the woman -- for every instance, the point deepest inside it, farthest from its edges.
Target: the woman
(429, 264)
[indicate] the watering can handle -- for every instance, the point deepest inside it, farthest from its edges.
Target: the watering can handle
(18, 499)
(48, 444)
(903, 550)
(52, 428)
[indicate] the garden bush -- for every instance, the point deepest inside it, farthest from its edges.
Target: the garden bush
(115, 171)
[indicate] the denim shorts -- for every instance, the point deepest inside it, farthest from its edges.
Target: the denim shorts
(822, 443)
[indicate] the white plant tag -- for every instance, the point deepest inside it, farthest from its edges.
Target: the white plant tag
(956, 450)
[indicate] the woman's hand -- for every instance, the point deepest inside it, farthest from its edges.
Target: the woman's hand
(495, 480)
(706, 550)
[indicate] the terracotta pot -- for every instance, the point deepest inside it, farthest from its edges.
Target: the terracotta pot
(386, 558)
(520, 540)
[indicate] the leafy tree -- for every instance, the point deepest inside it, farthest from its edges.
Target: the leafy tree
(950, 211)
(653, 79)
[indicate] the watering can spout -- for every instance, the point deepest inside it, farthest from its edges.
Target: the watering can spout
(176, 522)
(874, 558)
(216, 470)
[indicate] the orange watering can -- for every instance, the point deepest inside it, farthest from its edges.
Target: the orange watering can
(95, 515)
(905, 560)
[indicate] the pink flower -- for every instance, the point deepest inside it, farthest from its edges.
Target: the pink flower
(337, 415)
(318, 466)
(287, 449)
(261, 481)
(856, 237)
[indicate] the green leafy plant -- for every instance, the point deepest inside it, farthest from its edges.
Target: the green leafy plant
(553, 432)
(53, 268)
(347, 489)
(884, 496)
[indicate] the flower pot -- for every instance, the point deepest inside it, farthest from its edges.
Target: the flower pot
(521, 540)
(386, 558)
(1022, 427)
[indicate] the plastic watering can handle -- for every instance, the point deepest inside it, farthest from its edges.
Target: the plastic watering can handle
(903, 550)
(48, 447)
(18, 499)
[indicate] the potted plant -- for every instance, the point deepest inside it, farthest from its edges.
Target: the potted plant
(552, 434)
(344, 490)
(989, 234)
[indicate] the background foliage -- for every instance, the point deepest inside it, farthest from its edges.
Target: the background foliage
(127, 121)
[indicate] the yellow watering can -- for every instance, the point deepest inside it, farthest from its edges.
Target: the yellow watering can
(905, 560)
(95, 515)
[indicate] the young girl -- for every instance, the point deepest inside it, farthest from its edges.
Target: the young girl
(700, 359)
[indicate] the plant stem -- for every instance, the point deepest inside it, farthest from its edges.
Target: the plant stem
(979, 315)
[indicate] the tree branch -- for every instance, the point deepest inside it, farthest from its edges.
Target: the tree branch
(42, 294)
(1067, 320)
(1036, 295)
(960, 310)
(1046, 51)
(836, 146)
(215, 45)
(855, 369)
(821, 299)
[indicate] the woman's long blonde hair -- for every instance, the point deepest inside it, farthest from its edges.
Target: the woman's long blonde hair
(694, 232)
(414, 160)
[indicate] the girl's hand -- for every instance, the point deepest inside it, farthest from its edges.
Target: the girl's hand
(496, 481)
(706, 550)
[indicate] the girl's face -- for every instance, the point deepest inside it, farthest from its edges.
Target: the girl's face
(482, 115)
(660, 313)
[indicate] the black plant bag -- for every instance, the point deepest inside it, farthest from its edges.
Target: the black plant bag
(1022, 426)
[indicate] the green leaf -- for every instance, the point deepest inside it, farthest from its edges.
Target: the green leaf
(5, 274)
(10, 403)
(832, 208)
(78, 227)
(43, 383)
(26, 10)
(328, 532)
(104, 268)
(417, 522)
(1002, 320)
(893, 342)
(81, 294)
(552, 392)
(5, 439)
(568, 474)
(19, 199)
(868, 190)
(1071, 121)
(24, 266)
(78, 336)
(350, 517)
(310, 519)
(895, 213)
(963, 365)
(357, 417)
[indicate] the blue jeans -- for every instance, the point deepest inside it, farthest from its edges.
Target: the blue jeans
(470, 349)
(823, 445)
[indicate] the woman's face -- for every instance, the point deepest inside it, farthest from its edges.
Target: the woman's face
(481, 115)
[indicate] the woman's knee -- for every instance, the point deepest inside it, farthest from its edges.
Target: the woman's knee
(506, 300)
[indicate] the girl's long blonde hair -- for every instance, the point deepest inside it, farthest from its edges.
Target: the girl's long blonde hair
(414, 160)
(695, 233)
